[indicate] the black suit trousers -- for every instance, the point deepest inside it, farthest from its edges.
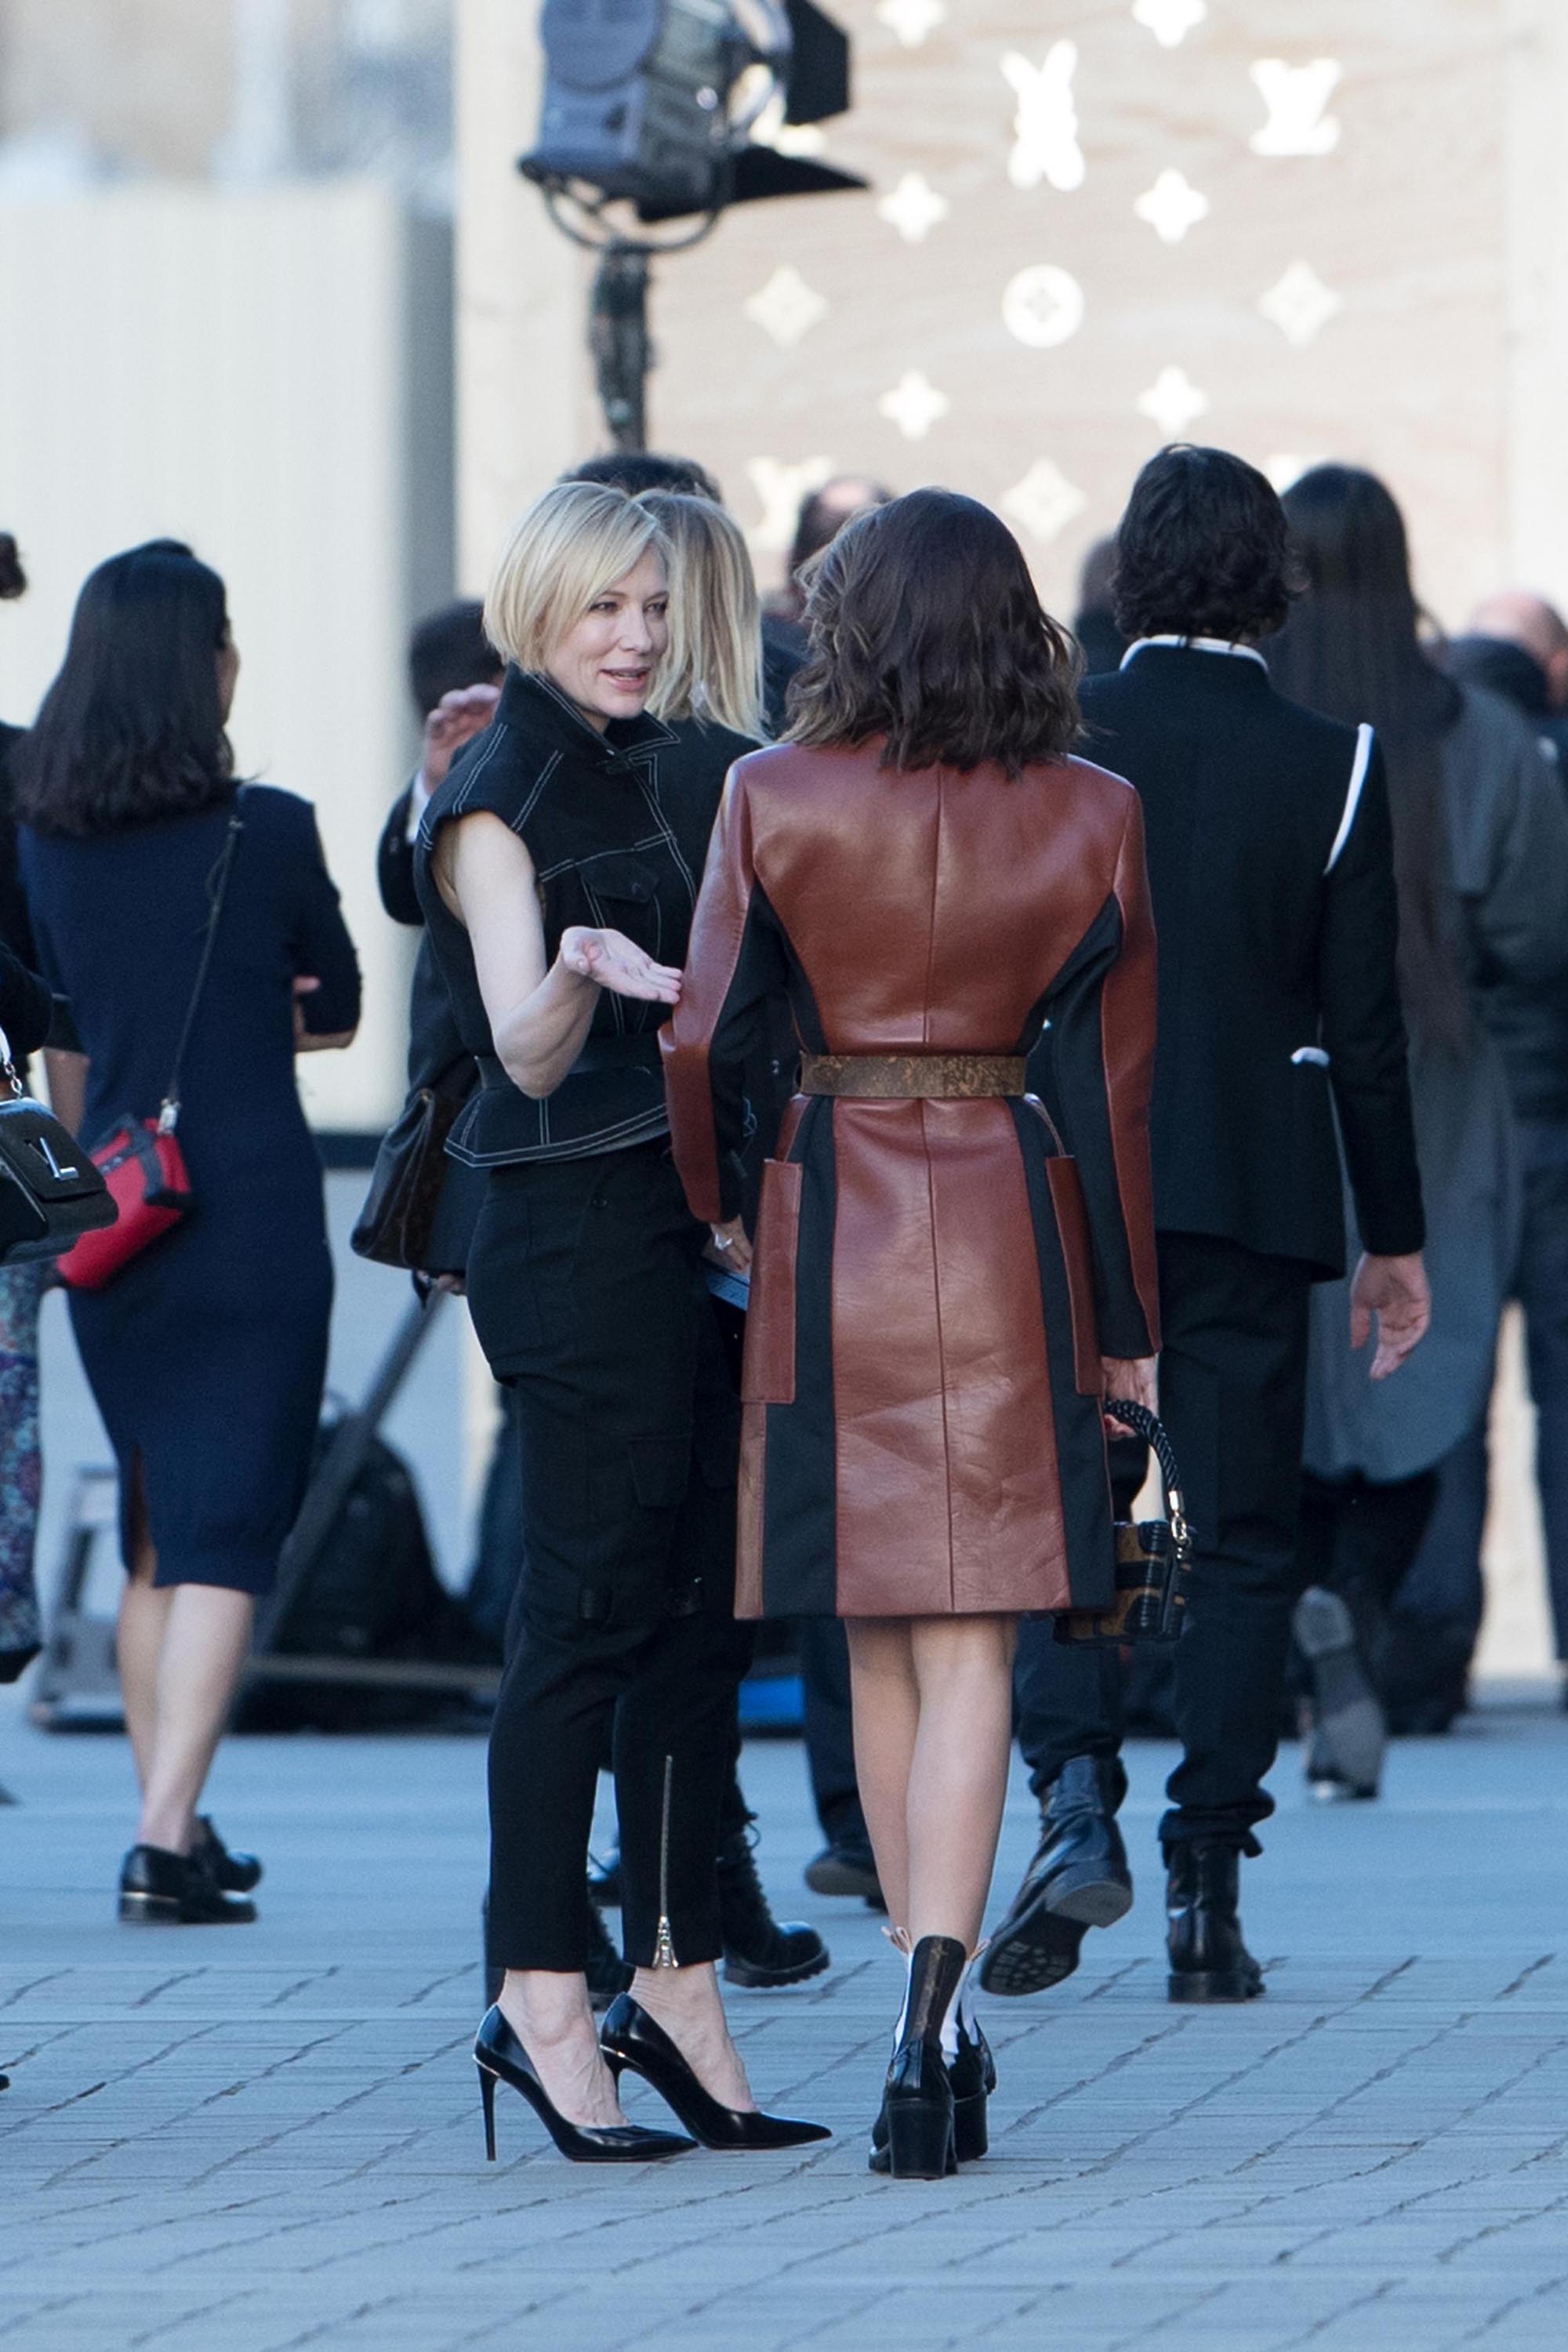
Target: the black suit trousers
(1233, 1381)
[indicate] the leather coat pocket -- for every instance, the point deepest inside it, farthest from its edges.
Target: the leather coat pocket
(1072, 1227)
(768, 1375)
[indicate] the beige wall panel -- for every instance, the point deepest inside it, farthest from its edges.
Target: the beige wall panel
(227, 369)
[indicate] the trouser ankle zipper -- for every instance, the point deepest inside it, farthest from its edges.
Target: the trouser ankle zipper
(663, 1942)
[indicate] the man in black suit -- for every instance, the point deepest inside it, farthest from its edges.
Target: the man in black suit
(1270, 863)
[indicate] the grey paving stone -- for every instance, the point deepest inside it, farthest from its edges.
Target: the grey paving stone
(260, 2140)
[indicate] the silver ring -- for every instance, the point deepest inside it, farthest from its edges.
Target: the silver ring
(719, 1244)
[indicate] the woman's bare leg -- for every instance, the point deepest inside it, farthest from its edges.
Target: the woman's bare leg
(143, 1619)
(958, 1776)
(548, 2010)
(886, 1699)
(207, 1640)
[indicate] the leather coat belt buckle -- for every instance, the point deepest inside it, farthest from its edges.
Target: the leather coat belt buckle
(914, 1078)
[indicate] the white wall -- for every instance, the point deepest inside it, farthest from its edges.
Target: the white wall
(233, 368)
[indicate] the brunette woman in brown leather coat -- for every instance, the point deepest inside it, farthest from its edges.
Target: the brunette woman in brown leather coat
(950, 1276)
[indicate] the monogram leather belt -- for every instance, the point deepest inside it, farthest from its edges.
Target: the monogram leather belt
(914, 1078)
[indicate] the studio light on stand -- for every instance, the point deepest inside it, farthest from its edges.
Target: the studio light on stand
(649, 115)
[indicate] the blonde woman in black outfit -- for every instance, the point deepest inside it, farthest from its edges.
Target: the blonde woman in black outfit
(558, 873)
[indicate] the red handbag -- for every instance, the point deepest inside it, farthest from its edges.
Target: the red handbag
(140, 1160)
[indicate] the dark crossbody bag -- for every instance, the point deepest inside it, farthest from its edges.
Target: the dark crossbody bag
(1152, 1559)
(50, 1193)
(140, 1159)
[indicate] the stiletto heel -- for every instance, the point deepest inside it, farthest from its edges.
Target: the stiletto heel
(501, 2058)
(918, 2102)
(630, 2038)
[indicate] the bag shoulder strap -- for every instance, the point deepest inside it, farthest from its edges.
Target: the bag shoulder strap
(217, 887)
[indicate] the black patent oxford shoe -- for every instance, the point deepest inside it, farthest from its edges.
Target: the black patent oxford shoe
(237, 1873)
(176, 1890)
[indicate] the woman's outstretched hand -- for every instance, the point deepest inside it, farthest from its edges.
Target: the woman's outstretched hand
(610, 958)
(1130, 1377)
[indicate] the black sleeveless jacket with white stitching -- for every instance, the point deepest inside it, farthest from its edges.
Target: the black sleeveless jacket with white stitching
(617, 826)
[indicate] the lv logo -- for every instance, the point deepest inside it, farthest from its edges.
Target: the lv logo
(1296, 98)
(45, 1151)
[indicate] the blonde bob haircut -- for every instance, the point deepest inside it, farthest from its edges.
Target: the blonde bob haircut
(714, 665)
(562, 553)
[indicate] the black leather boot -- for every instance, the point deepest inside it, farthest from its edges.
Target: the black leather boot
(1077, 1880)
(918, 2098)
(758, 1948)
(1209, 1961)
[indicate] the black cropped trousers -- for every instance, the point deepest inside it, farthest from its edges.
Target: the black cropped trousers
(587, 1294)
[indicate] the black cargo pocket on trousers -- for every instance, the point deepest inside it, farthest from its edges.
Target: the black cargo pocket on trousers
(660, 1469)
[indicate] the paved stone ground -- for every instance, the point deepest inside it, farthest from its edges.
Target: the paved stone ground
(256, 2140)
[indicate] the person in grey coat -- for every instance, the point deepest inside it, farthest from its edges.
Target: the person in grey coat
(1480, 829)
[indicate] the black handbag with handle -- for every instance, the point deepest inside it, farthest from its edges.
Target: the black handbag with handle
(1152, 1559)
(50, 1193)
(401, 1223)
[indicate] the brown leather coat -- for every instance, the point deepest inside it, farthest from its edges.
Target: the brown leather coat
(935, 1280)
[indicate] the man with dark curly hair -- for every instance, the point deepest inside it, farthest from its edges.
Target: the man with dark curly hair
(1271, 870)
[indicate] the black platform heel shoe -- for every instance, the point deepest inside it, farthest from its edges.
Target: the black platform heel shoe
(918, 2100)
(501, 2058)
(631, 2039)
(972, 2073)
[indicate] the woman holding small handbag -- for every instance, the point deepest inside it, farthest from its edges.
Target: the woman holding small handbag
(941, 1298)
(195, 930)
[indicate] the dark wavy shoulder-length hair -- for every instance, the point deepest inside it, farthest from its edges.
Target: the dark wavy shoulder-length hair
(1203, 550)
(925, 628)
(132, 729)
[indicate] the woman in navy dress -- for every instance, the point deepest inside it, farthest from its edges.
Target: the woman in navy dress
(207, 1353)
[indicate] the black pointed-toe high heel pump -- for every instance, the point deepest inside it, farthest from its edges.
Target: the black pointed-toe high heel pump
(501, 2058)
(918, 2101)
(630, 2039)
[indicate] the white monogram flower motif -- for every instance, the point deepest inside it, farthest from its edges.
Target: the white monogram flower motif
(1043, 305)
(786, 307)
(1045, 502)
(1300, 304)
(911, 20)
(1172, 400)
(1171, 207)
(914, 404)
(1170, 21)
(780, 488)
(1045, 128)
(914, 208)
(1296, 98)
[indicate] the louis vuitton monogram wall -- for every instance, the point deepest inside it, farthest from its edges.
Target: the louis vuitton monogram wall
(1299, 227)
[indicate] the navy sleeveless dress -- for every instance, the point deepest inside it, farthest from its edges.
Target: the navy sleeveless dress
(206, 1355)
